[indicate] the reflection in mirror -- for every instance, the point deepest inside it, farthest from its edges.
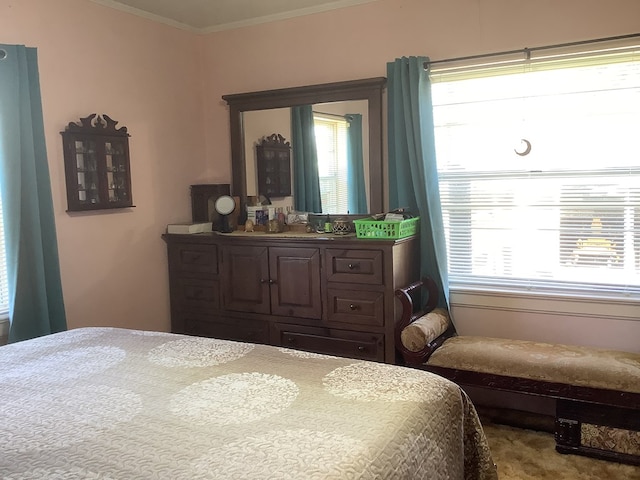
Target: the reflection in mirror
(258, 114)
(339, 181)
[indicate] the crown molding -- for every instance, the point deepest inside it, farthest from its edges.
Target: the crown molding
(231, 25)
(147, 15)
(285, 15)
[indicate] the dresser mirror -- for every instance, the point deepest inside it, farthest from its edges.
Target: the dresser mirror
(245, 109)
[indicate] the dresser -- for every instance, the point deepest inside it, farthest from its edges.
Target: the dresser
(316, 292)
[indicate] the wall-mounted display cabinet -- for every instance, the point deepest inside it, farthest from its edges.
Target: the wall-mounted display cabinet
(274, 166)
(97, 167)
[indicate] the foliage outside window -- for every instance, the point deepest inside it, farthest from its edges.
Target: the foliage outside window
(564, 217)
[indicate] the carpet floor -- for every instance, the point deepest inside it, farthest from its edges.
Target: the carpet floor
(522, 454)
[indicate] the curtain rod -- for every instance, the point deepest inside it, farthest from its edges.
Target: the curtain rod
(527, 51)
(336, 115)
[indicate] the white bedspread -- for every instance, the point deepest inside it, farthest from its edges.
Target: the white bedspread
(106, 403)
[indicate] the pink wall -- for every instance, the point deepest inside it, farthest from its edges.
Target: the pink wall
(146, 76)
(165, 85)
(357, 42)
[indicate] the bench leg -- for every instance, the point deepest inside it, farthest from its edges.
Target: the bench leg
(568, 429)
(567, 434)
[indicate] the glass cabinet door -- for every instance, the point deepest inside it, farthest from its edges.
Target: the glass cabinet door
(117, 171)
(274, 166)
(87, 171)
(97, 166)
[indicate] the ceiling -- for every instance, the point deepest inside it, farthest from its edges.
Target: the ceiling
(206, 16)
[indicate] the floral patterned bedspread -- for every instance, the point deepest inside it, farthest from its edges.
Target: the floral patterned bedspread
(107, 403)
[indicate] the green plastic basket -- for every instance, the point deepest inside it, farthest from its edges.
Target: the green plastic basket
(367, 228)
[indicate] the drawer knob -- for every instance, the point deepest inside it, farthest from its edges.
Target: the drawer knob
(354, 307)
(264, 280)
(353, 266)
(291, 340)
(361, 348)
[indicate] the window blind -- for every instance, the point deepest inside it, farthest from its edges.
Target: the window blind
(539, 174)
(331, 143)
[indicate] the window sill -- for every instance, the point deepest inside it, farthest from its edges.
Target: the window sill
(584, 306)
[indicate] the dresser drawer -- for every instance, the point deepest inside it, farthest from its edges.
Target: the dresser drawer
(187, 258)
(355, 306)
(342, 343)
(354, 266)
(197, 293)
(253, 331)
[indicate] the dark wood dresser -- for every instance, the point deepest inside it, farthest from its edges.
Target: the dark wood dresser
(320, 293)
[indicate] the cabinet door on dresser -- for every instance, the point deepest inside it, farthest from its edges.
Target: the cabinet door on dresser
(272, 280)
(245, 270)
(295, 282)
(196, 307)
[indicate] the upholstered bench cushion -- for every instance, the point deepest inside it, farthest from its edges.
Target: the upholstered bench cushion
(425, 329)
(568, 364)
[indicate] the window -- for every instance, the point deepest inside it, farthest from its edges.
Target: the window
(331, 144)
(539, 174)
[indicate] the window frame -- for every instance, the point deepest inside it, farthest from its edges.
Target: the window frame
(526, 286)
(338, 180)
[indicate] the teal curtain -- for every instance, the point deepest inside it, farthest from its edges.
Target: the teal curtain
(36, 305)
(306, 185)
(413, 172)
(356, 193)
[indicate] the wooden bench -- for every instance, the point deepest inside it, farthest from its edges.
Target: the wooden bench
(596, 391)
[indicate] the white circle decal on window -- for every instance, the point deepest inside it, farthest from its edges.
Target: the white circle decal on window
(198, 352)
(234, 399)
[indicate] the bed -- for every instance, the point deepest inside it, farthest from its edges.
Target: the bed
(109, 403)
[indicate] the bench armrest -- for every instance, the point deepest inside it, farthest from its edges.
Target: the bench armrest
(410, 298)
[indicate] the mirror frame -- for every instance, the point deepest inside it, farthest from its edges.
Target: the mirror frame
(369, 89)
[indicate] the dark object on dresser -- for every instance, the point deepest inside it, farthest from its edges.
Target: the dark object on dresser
(203, 199)
(596, 391)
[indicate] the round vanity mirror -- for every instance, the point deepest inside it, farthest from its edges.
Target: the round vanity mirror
(224, 206)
